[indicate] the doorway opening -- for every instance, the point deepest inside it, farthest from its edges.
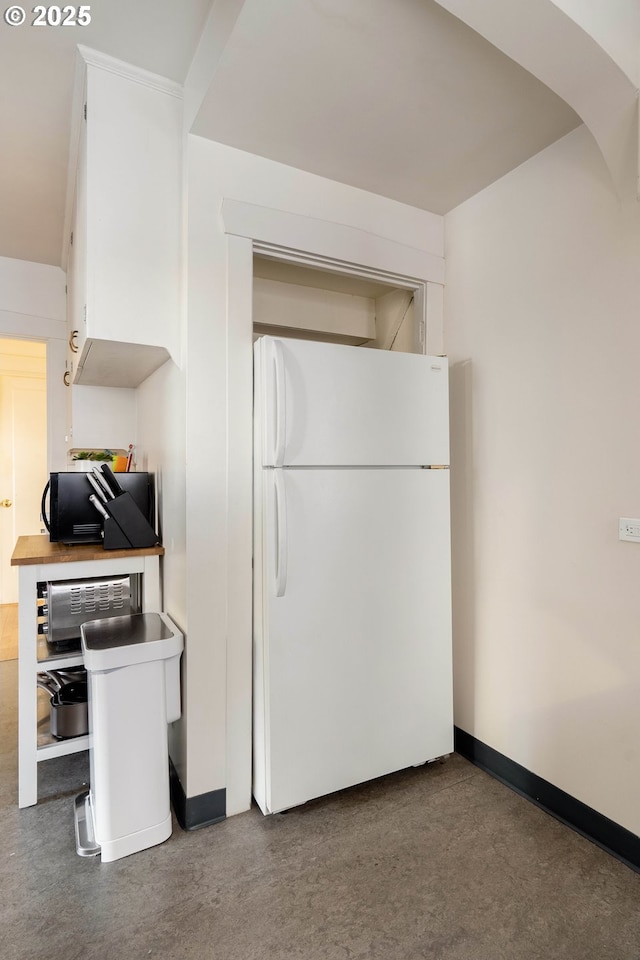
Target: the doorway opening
(23, 466)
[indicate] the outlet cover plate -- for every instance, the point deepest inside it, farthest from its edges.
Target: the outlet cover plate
(629, 529)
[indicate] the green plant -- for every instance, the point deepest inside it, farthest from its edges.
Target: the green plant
(94, 455)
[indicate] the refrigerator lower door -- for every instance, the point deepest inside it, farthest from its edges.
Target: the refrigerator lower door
(353, 658)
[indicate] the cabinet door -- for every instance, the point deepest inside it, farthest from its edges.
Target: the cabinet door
(77, 290)
(72, 347)
(134, 170)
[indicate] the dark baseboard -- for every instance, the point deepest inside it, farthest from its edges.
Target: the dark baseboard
(613, 838)
(195, 812)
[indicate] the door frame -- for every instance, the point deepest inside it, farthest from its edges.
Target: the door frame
(335, 248)
(18, 326)
(16, 380)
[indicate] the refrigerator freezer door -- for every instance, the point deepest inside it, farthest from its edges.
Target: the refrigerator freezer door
(353, 660)
(333, 405)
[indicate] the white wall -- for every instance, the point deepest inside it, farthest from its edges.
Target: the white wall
(33, 290)
(321, 312)
(541, 326)
(395, 317)
(614, 25)
(161, 450)
(218, 358)
(103, 417)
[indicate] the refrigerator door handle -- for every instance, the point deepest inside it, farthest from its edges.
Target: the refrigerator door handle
(280, 404)
(281, 533)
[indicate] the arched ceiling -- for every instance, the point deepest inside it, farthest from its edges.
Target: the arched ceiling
(424, 101)
(400, 98)
(566, 54)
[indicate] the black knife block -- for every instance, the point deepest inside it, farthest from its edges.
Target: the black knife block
(126, 527)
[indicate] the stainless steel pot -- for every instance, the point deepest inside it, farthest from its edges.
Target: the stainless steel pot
(68, 711)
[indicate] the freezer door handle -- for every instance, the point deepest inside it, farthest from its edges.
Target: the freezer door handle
(280, 404)
(281, 533)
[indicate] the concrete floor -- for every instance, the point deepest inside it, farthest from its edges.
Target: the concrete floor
(440, 862)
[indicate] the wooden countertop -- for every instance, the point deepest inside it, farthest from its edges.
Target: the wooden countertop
(39, 549)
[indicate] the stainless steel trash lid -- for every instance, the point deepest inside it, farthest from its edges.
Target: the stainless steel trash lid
(136, 638)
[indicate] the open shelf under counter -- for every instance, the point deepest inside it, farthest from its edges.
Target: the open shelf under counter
(49, 659)
(49, 746)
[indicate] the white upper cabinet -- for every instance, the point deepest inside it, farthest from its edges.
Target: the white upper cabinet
(125, 263)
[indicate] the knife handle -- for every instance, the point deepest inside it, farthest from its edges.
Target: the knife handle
(103, 483)
(111, 481)
(94, 500)
(96, 486)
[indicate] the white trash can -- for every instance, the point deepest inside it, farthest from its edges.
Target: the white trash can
(133, 669)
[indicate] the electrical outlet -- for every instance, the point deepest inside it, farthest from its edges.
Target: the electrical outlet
(629, 529)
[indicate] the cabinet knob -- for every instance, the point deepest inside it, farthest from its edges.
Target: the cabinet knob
(65, 377)
(73, 346)
(6, 503)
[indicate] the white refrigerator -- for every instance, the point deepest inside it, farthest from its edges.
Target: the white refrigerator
(352, 570)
